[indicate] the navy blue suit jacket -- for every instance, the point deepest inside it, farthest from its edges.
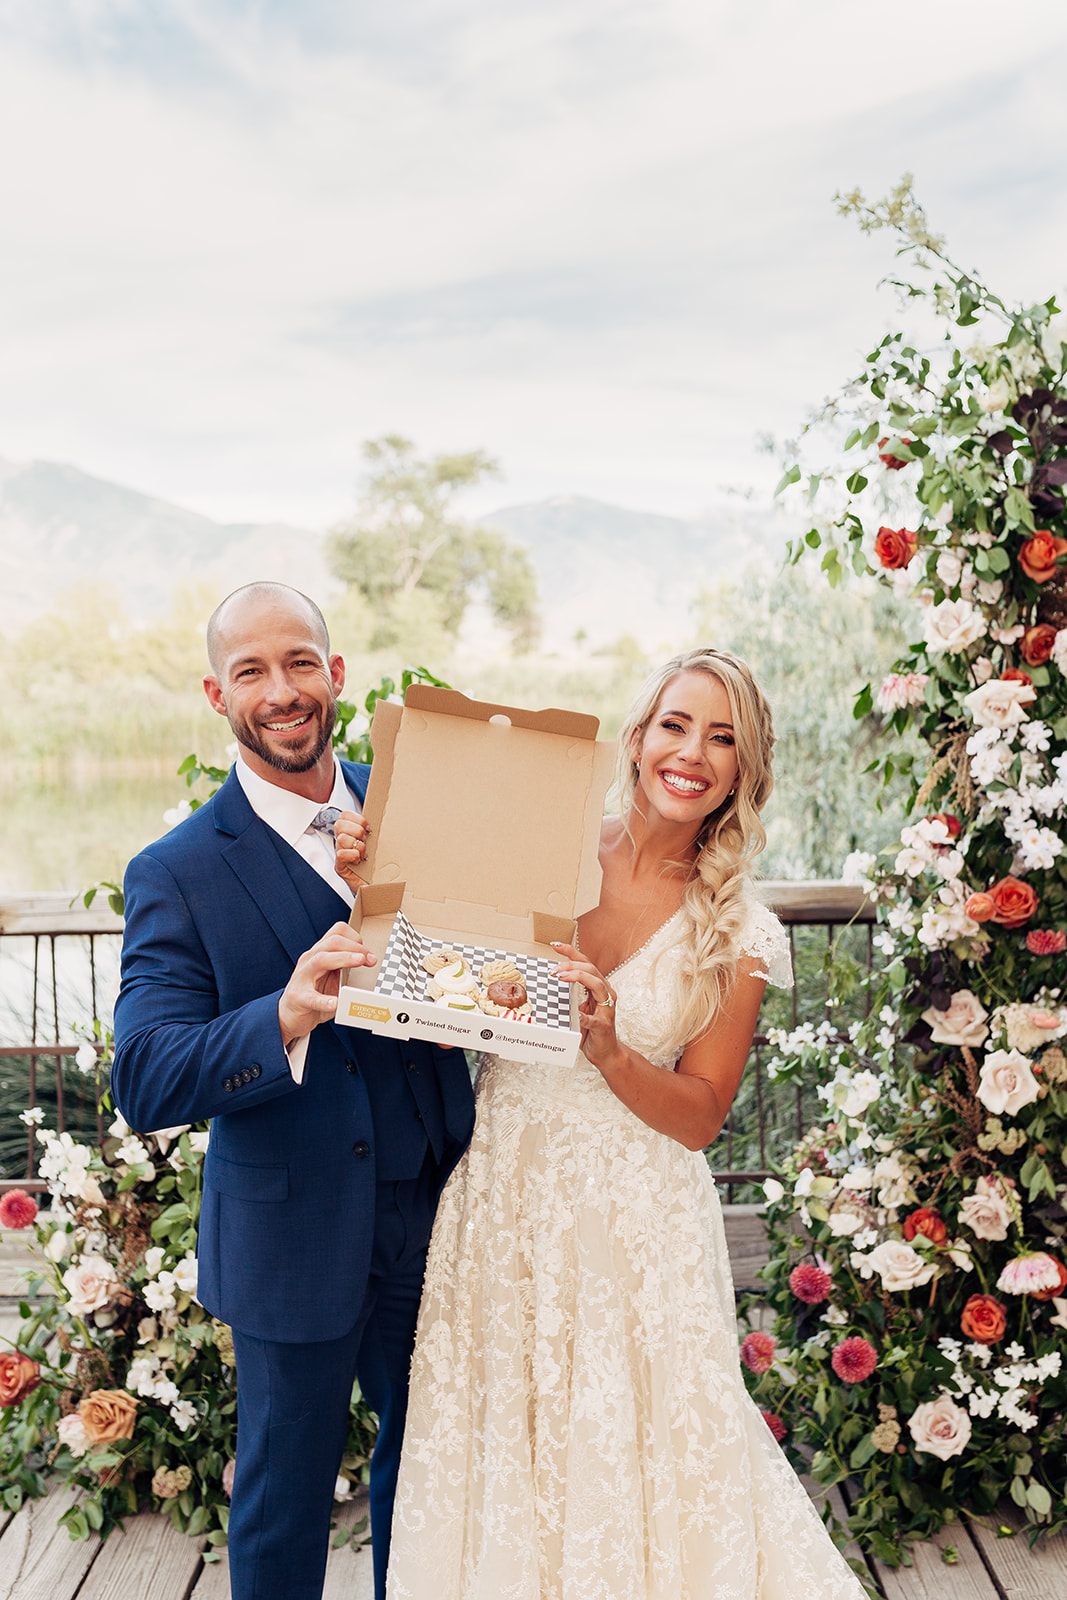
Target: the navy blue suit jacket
(217, 914)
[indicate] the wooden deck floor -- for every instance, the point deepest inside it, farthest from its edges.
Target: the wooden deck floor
(150, 1561)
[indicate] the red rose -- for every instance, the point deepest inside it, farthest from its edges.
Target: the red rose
(1015, 675)
(1037, 644)
(952, 823)
(894, 463)
(926, 1222)
(18, 1376)
(984, 1319)
(1014, 902)
(775, 1423)
(17, 1209)
(979, 907)
(1046, 941)
(1038, 555)
(895, 547)
(1047, 1294)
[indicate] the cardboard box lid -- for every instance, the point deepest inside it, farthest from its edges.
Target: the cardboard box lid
(486, 809)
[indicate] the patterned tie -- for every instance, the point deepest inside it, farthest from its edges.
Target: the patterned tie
(324, 822)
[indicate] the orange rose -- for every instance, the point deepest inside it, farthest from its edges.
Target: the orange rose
(108, 1414)
(1014, 902)
(1037, 644)
(979, 907)
(888, 459)
(951, 823)
(1047, 1294)
(895, 547)
(927, 1222)
(1038, 555)
(984, 1319)
(18, 1377)
(1015, 675)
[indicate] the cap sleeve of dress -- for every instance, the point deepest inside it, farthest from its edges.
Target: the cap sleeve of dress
(767, 943)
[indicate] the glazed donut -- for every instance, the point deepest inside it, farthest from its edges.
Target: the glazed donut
(508, 993)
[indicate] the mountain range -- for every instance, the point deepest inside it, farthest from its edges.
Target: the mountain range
(603, 570)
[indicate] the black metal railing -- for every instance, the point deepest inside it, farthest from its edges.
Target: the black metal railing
(58, 967)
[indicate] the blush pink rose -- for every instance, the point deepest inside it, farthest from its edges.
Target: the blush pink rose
(964, 1022)
(1006, 1083)
(986, 1212)
(940, 1427)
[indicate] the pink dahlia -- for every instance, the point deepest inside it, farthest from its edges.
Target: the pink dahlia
(757, 1351)
(775, 1423)
(854, 1359)
(17, 1209)
(1029, 1274)
(1046, 941)
(810, 1283)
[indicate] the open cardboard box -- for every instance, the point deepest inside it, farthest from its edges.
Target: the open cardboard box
(484, 835)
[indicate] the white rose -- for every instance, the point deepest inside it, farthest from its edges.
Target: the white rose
(949, 568)
(963, 1023)
(899, 1266)
(940, 1427)
(952, 626)
(996, 396)
(1005, 1083)
(999, 703)
(985, 1211)
(847, 1216)
(90, 1284)
(71, 1432)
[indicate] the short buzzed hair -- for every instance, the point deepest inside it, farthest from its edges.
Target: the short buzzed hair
(263, 589)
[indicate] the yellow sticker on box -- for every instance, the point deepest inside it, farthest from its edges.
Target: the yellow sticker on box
(369, 1013)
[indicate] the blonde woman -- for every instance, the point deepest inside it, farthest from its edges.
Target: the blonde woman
(578, 1427)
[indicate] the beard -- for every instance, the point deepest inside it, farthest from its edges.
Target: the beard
(297, 760)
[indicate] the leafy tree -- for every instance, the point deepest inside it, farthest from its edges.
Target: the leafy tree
(406, 537)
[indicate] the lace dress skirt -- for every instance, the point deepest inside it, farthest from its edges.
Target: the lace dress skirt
(578, 1426)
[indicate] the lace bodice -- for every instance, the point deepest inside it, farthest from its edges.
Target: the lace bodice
(648, 983)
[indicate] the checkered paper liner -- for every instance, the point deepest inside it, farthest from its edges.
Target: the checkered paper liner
(402, 975)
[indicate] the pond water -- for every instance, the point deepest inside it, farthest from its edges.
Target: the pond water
(63, 830)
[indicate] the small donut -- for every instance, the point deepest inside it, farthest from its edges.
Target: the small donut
(502, 967)
(436, 959)
(507, 993)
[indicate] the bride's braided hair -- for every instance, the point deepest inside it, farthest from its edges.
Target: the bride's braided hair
(717, 895)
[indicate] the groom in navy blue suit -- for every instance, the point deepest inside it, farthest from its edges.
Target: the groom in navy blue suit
(328, 1146)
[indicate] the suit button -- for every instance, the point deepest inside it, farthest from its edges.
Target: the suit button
(246, 1075)
(255, 1070)
(361, 1148)
(351, 1066)
(227, 1084)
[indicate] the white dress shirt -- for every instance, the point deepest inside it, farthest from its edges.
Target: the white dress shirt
(291, 816)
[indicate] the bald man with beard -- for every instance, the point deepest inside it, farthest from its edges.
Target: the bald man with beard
(328, 1146)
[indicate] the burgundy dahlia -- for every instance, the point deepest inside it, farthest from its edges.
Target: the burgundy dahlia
(810, 1283)
(854, 1359)
(775, 1423)
(757, 1351)
(17, 1209)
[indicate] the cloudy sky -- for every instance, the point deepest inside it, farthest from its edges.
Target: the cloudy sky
(594, 237)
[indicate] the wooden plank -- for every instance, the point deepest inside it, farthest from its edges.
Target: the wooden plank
(349, 1573)
(151, 1559)
(932, 1579)
(1023, 1574)
(746, 1240)
(38, 1559)
(53, 913)
(817, 900)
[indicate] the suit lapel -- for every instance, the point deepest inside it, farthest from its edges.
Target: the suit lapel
(254, 853)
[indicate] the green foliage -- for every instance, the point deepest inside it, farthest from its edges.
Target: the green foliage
(406, 537)
(128, 1213)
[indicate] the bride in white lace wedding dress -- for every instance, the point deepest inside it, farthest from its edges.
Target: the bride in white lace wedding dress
(578, 1426)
